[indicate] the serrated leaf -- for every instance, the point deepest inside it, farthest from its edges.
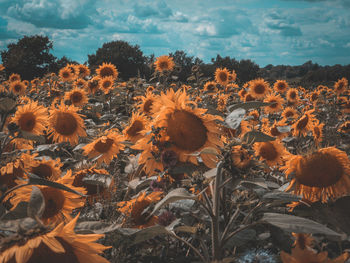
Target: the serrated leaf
(172, 196)
(36, 205)
(257, 136)
(234, 119)
(248, 105)
(96, 227)
(298, 224)
(36, 180)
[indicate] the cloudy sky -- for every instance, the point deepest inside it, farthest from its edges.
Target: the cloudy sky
(266, 31)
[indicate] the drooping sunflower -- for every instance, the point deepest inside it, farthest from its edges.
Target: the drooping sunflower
(106, 84)
(164, 63)
(188, 129)
(147, 101)
(31, 118)
(93, 85)
(304, 124)
(83, 70)
(292, 95)
(259, 88)
(76, 96)
(18, 87)
(222, 76)
(92, 190)
(66, 74)
(65, 124)
(14, 77)
(273, 152)
(59, 204)
(317, 132)
(240, 157)
(137, 124)
(321, 175)
(210, 86)
(276, 103)
(281, 86)
(289, 113)
(107, 70)
(58, 245)
(134, 208)
(108, 146)
(341, 85)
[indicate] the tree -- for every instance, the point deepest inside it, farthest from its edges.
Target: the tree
(128, 59)
(30, 57)
(185, 63)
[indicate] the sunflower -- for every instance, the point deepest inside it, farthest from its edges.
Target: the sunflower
(272, 130)
(289, 113)
(74, 70)
(248, 97)
(76, 96)
(292, 95)
(320, 175)
(317, 132)
(107, 70)
(65, 124)
(314, 96)
(46, 169)
(222, 76)
(66, 74)
(18, 87)
(59, 204)
(83, 70)
(164, 63)
(304, 124)
(281, 86)
(341, 85)
(222, 101)
(346, 107)
(210, 86)
(240, 157)
(14, 77)
(58, 245)
(344, 127)
(80, 83)
(31, 118)
(232, 77)
(242, 93)
(106, 84)
(272, 152)
(137, 124)
(107, 146)
(254, 117)
(276, 102)
(93, 85)
(92, 190)
(134, 209)
(146, 104)
(259, 88)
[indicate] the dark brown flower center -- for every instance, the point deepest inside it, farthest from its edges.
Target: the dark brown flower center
(135, 128)
(42, 170)
(76, 97)
(268, 151)
(148, 105)
(106, 72)
(259, 89)
(54, 201)
(186, 130)
(27, 121)
(302, 123)
(65, 124)
(103, 146)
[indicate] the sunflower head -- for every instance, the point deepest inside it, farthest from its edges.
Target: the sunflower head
(107, 70)
(46, 169)
(164, 63)
(259, 88)
(222, 76)
(272, 152)
(240, 157)
(14, 77)
(77, 97)
(341, 85)
(292, 95)
(281, 86)
(304, 124)
(18, 87)
(65, 124)
(137, 125)
(93, 85)
(210, 86)
(66, 74)
(83, 70)
(106, 84)
(80, 83)
(276, 103)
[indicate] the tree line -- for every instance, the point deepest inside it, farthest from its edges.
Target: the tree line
(31, 57)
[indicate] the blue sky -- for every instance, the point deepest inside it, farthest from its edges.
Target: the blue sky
(268, 32)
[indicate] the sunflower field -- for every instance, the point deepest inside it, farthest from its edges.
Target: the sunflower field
(95, 169)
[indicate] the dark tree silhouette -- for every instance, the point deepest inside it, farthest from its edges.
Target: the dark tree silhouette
(128, 59)
(185, 63)
(30, 57)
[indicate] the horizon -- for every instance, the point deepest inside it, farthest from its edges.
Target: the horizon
(277, 32)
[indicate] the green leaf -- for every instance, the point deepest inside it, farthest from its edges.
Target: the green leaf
(257, 136)
(248, 105)
(234, 119)
(33, 137)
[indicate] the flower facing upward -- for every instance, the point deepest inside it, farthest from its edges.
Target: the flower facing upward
(137, 124)
(66, 74)
(281, 86)
(65, 124)
(106, 84)
(134, 208)
(77, 97)
(31, 118)
(58, 245)
(292, 95)
(59, 204)
(259, 88)
(272, 152)
(164, 63)
(18, 87)
(222, 76)
(107, 70)
(320, 175)
(108, 146)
